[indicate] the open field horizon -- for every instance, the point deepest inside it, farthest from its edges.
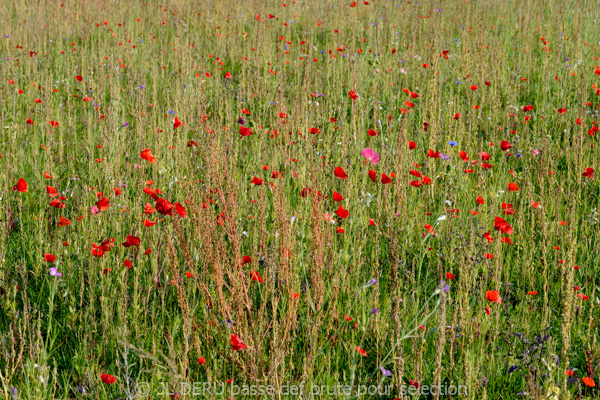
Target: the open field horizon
(299, 199)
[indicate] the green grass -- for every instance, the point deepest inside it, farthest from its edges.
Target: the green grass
(142, 65)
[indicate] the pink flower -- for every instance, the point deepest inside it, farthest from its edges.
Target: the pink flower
(535, 152)
(370, 155)
(94, 210)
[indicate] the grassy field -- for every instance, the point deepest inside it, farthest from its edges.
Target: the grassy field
(356, 199)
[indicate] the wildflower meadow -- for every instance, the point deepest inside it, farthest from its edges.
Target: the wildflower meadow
(304, 199)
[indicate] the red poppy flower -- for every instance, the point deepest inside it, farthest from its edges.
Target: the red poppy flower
(257, 181)
(352, 95)
(589, 173)
(373, 175)
(244, 131)
(49, 257)
(63, 221)
(513, 187)
(433, 154)
(108, 379)
(256, 276)
(503, 226)
(361, 351)
(148, 209)
(164, 207)
(51, 191)
(103, 204)
(385, 179)
(21, 186)
(487, 235)
(372, 132)
(340, 173)
(236, 343)
(131, 241)
(147, 155)
(493, 296)
(508, 211)
(429, 229)
(179, 209)
(342, 213)
(412, 145)
(337, 196)
(177, 123)
(57, 204)
(504, 145)
(589, 381)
